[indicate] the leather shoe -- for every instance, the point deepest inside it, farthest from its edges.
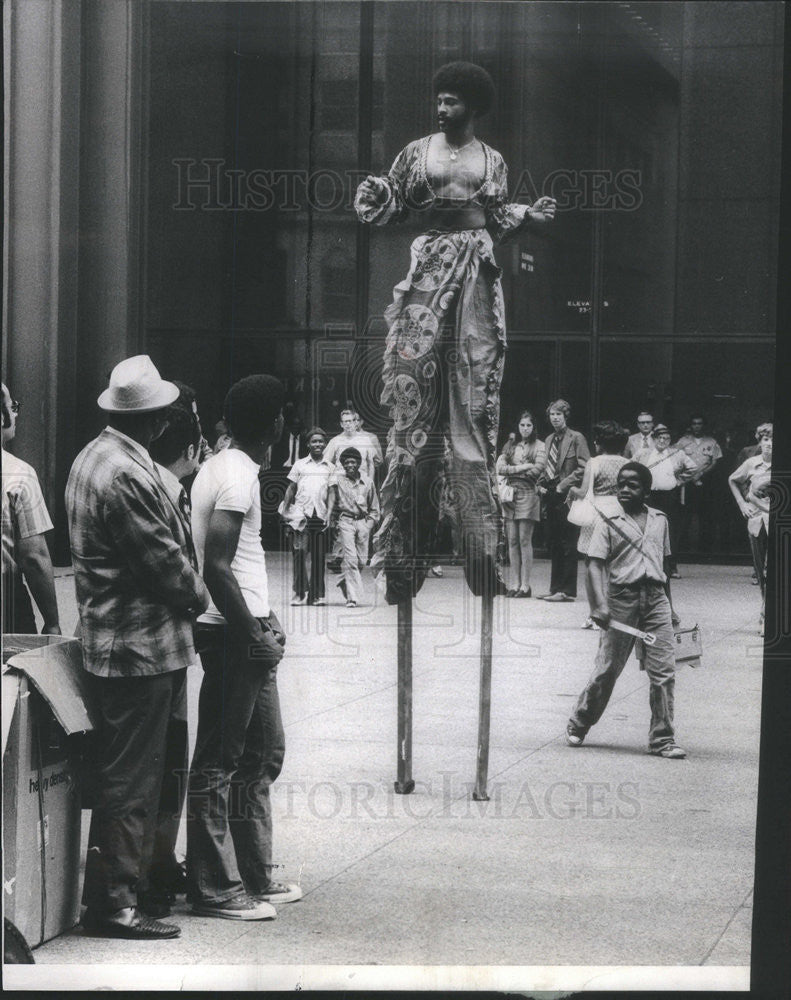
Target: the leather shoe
(139, 928)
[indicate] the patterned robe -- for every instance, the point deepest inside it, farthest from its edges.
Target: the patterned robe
(443, 367)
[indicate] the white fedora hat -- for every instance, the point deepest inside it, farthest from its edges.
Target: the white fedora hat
(137, 387)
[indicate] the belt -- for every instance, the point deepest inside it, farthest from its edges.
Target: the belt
(354, 517)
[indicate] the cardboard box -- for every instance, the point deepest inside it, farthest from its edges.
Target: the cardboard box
(45, 703)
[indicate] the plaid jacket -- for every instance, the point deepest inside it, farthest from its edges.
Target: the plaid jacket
(137, 591)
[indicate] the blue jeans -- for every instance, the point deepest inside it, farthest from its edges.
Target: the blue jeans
(645, 606)
(238, 754)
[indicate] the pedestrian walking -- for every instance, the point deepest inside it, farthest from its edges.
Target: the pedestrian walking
(354, 497)
(305, 512)
(632, 547)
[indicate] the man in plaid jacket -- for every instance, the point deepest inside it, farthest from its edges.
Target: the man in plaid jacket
(138, 592)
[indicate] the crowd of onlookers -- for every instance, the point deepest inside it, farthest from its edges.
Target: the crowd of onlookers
(690, 479)
(165, 536)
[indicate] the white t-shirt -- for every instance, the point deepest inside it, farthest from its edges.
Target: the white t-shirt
(360, 440)
(229, 481)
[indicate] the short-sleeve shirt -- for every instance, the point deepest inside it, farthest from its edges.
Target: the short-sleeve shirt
(631, 554)
(312, 481)
(24, 515)
(704, 451)
(356, 496)
(668, 468)
(751, 468)
(754, 474)
(229, 481)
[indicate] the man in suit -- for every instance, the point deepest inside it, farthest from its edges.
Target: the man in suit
(567, 456)
(138, 593)
(641, 444)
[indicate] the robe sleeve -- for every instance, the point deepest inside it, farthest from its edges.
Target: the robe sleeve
(503, 218)
(394, 207)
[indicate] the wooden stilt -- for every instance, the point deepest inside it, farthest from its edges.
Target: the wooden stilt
(404, 783)
(484, 697)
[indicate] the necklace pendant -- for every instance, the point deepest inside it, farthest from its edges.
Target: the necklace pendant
(454, 155)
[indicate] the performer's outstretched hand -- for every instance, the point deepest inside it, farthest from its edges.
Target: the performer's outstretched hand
(374, 188)
(543, 209)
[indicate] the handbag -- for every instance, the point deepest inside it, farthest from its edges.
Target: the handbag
(505, 490)
(582, 512)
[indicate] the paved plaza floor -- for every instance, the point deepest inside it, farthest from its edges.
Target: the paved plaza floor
(599, 856)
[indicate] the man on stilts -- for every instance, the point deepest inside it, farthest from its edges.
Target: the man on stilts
(443, 361)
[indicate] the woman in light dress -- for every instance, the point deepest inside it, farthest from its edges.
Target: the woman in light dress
(520, 464)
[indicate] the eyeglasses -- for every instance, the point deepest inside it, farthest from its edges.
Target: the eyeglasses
(15, 406)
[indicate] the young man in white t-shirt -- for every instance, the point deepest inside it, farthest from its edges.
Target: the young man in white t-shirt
(240, 743)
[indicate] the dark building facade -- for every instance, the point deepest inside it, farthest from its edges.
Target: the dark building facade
(179, 181)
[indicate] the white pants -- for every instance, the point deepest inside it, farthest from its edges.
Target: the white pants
(354, 553)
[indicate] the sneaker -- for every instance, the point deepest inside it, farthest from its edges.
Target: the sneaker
(351, 604)
(436, 571)
(674, 574)
(279, 892)
(320, 601)
(669, 751)
(297, 600)
(590, 624)
(575, 735)
(242, 907)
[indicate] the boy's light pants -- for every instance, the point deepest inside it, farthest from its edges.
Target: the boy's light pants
(645, 606)
(354, 553)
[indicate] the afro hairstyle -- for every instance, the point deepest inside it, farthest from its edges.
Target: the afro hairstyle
(252, 406)
(472, 83)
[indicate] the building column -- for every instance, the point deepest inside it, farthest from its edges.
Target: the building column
(40, 247)
(112, 196)
(75, 73)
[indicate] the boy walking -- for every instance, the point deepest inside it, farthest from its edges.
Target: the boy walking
(357, 503)
(633, 546)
